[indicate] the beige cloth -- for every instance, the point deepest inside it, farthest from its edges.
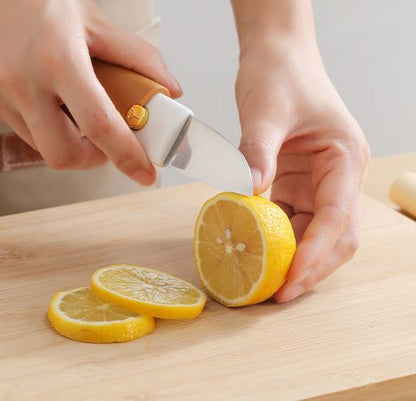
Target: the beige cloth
(40, 187)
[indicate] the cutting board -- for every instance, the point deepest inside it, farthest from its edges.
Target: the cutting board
(353, 337)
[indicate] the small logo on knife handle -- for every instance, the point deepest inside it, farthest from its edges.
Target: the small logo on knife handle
(137, 116)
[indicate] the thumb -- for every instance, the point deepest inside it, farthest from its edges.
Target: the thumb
(112, 43)
(260, 143)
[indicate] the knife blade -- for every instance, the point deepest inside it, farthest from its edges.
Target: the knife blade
(180, 141)
(172, 137)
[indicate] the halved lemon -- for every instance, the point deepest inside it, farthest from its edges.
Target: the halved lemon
(78, 314)
(148, 291)
(243, 248)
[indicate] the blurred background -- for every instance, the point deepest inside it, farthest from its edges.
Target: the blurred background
(368, 47)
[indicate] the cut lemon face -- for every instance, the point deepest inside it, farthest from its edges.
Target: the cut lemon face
(78, 314)
(148, 291)
(243, 248)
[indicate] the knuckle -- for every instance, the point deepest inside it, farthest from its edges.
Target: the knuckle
(256, 145)
(96, 44)
(92, 157)
(359, 149)
(342, 148)
(59, 161)
(340, 214)
(126, 165)
(65, 160)
(50, 61)
(99, 124)
(99, 24)
(353, 145)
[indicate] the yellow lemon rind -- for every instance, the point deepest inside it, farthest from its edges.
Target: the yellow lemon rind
(275, 269)
(273, 272)
(163, 311)
(97, 332)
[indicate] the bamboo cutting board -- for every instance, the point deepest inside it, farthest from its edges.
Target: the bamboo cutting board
(352, 338)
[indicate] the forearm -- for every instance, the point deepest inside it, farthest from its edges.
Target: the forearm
(273, 22)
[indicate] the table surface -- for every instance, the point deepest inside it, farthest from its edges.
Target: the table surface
(352, 337)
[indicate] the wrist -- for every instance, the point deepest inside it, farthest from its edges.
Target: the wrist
(276, 25)
(280, 49)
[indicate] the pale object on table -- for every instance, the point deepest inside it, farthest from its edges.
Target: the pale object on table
(403, 192)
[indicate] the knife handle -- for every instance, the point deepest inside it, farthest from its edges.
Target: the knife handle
(163, 119)
(125, 87)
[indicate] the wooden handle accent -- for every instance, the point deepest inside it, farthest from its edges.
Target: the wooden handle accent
(126, 87)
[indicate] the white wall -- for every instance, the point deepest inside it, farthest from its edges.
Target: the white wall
(368, 46)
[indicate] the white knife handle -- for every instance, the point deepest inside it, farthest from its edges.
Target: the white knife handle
(166, 117)
(166, 120)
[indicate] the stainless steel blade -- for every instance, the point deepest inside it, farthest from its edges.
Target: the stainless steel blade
(203, 154)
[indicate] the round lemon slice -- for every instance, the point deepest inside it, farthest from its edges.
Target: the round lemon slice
(243, 246)
(78, 314)
(148, 291)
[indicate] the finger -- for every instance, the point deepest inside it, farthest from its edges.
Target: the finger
(296, 190)
(98, 119)
(300, 222)
(119, 46)
(342, 252)
(16, 122)
(58, 139)
(292, 163)
(260, 143)
(290, 291)
(330, 220)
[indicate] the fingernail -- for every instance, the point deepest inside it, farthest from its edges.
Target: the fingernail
(256, 177)
(143, 177)
(174, 82)
(291, 293)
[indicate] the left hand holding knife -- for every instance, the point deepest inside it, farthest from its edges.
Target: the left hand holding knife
(46, 61)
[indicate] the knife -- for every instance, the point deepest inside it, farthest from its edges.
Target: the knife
(170, 134)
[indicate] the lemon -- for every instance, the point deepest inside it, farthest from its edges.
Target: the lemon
(243, 247)
(78, 314)
(148, 291)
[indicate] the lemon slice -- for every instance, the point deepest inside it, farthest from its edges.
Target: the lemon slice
(149, 291)
(78, 314)
(243, 248)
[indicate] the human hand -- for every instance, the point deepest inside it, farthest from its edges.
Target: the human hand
(46, 49)
(300, 139)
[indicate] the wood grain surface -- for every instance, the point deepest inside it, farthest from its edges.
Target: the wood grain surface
(354, 334)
